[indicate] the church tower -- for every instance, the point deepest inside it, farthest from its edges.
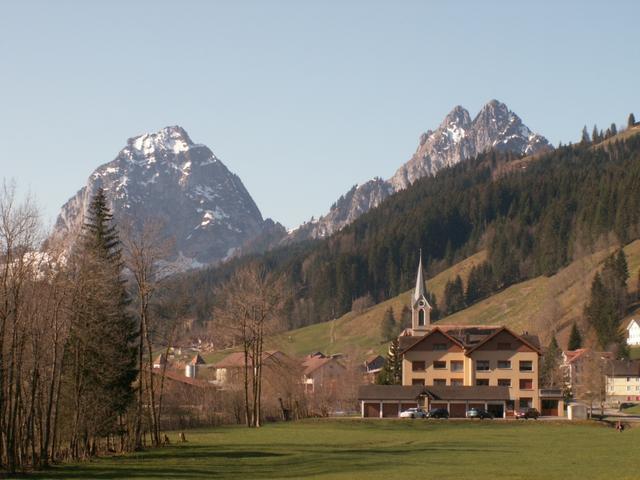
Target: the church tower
(420, 308)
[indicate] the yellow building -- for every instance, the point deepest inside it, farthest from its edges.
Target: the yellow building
(460, 367)
(623, 381)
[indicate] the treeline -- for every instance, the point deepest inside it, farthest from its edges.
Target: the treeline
(76, 339)
(533, 219)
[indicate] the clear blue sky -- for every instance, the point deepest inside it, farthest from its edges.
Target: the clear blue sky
(301, 99)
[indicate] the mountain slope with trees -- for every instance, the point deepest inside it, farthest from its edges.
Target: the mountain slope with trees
(532, 221)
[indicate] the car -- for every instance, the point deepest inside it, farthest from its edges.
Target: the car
(413, 413)
(438, 413)
(528, 413)
(478, 413)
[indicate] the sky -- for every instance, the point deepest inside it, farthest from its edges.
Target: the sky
(301, 99)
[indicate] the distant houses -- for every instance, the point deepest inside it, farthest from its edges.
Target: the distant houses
(623, 381)
(321, 372)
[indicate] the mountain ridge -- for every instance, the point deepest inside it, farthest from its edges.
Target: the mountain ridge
(457, 138)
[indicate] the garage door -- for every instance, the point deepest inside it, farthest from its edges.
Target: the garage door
(438, 405)
(406, 406)
(550, 407)
(389, 409)
(496, 410)
(479, 406)
(372, 410)
(457, 410)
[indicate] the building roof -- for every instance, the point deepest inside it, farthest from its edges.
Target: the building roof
(176, 377)
(197, 360)
(412, 392)
(236, 359)
(578, 354)
(313, 363)
(469, 337)
(625, 368)
(477, 392)
(390, 392)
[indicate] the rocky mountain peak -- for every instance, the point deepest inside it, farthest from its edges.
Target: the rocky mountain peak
(167, 177)
(457, 138)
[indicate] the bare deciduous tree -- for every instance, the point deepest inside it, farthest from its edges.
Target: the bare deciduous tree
(247, 310)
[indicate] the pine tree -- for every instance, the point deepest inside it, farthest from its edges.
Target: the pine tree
(391, 373)
(631, 120)
(575, 339)
(601, 313)
(102, 348)
(550, 369)
(388, 326)
(595, 136)
(585, 135)
(405, 319)
(613, 129)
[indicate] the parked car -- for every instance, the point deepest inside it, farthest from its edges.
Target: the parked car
(438, 413)
(528, 413)
(478, 413)
(413, 413)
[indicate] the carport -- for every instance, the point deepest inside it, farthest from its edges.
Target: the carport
(387, 401)
(458, 399)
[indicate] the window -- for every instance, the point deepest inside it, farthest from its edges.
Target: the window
(504, 382)
(526, 366)
(417, 381)
(628, 388)
(526, 384)
(482, 382)
(457, 365)
(526, 402)
(482, 365)
(418, 366)
(439, 346)
(457, 382)
(440, 381)
(421, 318)
(628, 379)
(504, 364)
(439, 364)
(504, 346)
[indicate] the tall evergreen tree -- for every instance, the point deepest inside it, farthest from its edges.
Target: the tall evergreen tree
(454, 296)
(388, 327)
(601, 313)
(631, 121)
(575, 339)
(102, 348)
(391, 373)
(551, 376)
(585, 135)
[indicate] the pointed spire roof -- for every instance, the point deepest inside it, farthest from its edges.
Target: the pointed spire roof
(419, 291)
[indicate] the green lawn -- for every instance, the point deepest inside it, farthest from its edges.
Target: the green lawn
(350, 448)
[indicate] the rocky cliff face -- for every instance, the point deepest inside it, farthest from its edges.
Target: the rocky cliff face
(456, 139)
(164, 176)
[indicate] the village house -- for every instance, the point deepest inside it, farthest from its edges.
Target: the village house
(623, 381)
(460, 367)
(321, 372)
(229, 370)
(633, 333)
(372, 366)
(576, 362)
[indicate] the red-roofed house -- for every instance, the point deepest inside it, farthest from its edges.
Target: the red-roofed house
(321, 372)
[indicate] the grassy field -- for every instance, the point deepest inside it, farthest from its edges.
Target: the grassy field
(386, 449)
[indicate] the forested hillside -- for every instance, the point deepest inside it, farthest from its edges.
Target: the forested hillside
(532, 220)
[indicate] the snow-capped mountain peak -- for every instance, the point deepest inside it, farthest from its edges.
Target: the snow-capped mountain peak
(165, 176)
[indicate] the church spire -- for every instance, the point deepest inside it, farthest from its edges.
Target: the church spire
(419, 291)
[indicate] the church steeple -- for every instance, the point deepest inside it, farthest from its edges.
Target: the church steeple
(420, 308)
(419, 291)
